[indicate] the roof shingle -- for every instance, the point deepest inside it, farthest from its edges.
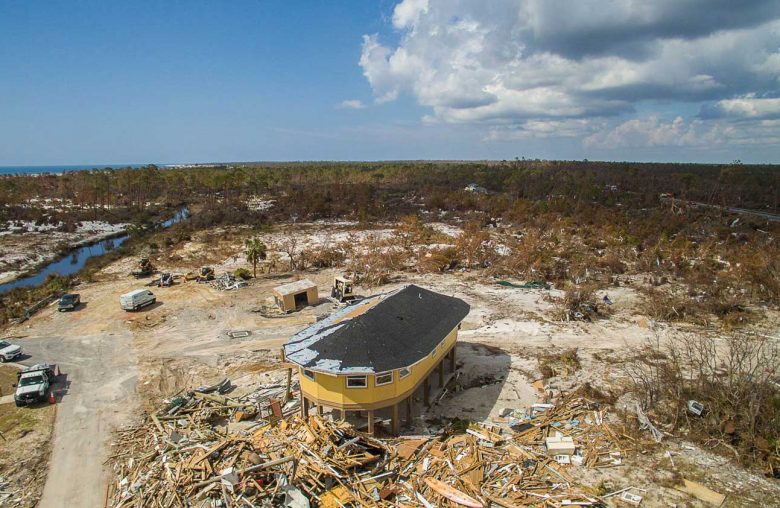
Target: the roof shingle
(381, 333)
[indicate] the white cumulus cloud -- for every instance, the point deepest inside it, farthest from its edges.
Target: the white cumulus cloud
(534, 67)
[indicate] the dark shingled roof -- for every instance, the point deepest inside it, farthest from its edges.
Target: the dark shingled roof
(399, 330)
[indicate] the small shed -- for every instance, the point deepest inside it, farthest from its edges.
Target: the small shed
(295, 295)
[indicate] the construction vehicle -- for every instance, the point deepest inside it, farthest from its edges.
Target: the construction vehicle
(145, 268)
(33, 384)
(166, 280)
(205, 273)
(342, 289)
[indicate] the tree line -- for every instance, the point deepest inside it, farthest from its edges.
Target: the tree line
(369, 189)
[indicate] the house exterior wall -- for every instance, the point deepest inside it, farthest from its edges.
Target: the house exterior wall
(331, 390)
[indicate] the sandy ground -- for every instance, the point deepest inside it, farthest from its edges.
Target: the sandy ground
(118, 363)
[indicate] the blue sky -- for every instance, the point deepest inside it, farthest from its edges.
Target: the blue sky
(191, 81)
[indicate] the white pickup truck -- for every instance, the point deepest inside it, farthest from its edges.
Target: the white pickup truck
(34, 383)
(9, 351)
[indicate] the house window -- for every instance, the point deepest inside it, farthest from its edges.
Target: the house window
(309, 374)
(384, 378)
(356, 382)
(402, 373)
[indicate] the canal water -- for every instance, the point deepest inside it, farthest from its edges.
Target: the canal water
(73, 262)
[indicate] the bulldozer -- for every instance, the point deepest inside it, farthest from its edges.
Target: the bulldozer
(145, 268)
(342, 289)
(205, 273)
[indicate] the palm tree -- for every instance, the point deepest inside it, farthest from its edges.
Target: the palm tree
(255, 251)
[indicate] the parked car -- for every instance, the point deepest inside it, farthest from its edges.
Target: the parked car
(69, 301)
(33, 384)
(9, 351)
(137, 299)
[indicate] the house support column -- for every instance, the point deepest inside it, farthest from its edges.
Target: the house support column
(287, 393)
(304, 407)
(371, 421)
(319, 409)
(409, 410)
(452, 358)
(426, 387)
(396, 424)
(441, 373)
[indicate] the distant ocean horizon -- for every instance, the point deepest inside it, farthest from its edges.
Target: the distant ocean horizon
(32, 170)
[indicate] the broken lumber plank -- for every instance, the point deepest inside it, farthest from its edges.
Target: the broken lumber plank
(701, 492)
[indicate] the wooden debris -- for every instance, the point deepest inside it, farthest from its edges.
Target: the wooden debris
(191, 453)
(701, 492)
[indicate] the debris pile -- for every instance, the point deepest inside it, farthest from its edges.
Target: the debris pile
(207, 449)
(197, 447)
(227, 282)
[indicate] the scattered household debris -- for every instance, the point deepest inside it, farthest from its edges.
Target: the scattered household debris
(239, 334)
(559, 445)
(701, 492)
(695, 407)
(645, 423)
(227, 282)
(632, 499)
(222, 387)
(199, 447)
(205, 449)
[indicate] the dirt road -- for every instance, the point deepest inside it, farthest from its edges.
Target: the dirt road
(98, 394)
(99, 348)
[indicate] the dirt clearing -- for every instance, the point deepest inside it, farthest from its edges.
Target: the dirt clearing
(514, 351)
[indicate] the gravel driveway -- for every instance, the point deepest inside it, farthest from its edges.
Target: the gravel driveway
(98, 393)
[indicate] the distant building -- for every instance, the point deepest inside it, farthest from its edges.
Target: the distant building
(376, 354)
(472, 187)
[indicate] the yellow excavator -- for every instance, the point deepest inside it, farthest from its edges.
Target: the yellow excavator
(205, 273)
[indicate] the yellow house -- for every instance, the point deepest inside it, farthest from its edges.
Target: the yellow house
(375, 354)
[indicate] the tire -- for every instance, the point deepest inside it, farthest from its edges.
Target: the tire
(154, 300)
(3, 359)
(18, 404)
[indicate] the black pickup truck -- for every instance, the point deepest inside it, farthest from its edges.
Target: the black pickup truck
(69, 302)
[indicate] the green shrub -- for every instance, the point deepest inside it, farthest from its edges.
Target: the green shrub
(242, 273)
